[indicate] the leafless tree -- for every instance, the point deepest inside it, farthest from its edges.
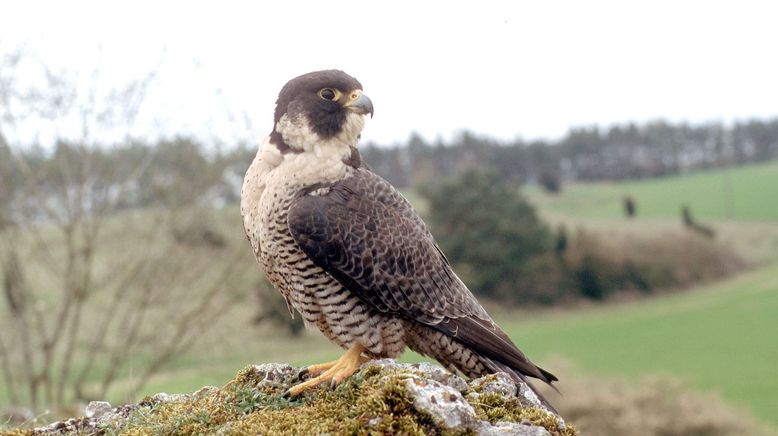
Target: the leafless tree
(88, 282)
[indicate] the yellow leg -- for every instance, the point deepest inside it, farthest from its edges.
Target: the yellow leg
(334, 372)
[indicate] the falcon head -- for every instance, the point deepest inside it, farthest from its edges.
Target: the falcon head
(321, 107)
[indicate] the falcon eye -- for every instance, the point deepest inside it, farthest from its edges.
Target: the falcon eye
(328, 94)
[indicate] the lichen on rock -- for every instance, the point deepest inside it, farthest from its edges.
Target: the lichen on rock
(383, 397)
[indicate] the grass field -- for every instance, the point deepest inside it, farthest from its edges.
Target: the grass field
(741, 193)
(720, 337)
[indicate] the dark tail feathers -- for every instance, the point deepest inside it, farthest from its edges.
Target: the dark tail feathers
(520, 378)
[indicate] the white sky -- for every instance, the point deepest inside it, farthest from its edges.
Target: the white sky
(505, 69)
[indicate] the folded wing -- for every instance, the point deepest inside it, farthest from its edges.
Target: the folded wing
(369, 238)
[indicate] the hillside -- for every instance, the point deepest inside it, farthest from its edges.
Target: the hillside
(695, 336)
(704, 337)
(717, 337)
(741, 193)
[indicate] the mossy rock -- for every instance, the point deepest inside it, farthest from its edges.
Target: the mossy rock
(381, 398)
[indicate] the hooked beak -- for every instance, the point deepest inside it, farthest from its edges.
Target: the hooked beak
(360, 103)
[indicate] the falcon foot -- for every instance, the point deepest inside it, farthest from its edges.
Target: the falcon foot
(334, 372)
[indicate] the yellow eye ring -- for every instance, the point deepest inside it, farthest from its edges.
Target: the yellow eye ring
(329, 94)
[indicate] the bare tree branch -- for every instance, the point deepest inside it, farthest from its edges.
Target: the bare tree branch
(93, 297)
(184, 329)
(109, 315)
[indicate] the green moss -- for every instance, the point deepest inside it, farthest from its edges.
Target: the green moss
(494, 407)
(374, 401)
(370, 402)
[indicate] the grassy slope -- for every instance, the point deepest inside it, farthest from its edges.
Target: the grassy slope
(722, 338)
(742, 193)
(719, 337)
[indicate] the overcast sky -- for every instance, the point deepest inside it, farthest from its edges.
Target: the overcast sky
(506, 69)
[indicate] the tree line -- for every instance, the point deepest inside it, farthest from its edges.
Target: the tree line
(618, 152)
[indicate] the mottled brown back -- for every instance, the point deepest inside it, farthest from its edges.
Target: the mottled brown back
(366, 235)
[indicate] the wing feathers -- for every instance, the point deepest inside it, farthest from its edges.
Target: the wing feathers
(485, 337)
(369, 238)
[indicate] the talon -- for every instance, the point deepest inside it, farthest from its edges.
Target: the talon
(334, 372)
(301, 373)
(317, 369)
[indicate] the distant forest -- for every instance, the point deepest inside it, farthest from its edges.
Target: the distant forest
(629, 151)
(172, 169)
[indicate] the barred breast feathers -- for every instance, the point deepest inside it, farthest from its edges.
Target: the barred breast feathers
(267, 158)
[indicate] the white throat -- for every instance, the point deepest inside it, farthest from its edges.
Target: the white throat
(297, 133)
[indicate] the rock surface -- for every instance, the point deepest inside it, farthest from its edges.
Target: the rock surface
(382, 397)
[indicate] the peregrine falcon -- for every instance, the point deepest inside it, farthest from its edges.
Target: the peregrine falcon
(349, 252)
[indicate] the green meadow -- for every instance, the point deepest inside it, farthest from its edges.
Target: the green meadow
(719, 337)
(747, 192)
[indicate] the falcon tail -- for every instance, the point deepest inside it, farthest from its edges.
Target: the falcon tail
(459, 356)
(518, 377)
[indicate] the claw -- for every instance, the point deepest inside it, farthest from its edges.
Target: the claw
(334, 372)
(301, 374)
(319, 368)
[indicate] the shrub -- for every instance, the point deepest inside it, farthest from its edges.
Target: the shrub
(630, 207)
(601, 266)
(550, 181)
(487, 229)
(651, 406)
(503, 251)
